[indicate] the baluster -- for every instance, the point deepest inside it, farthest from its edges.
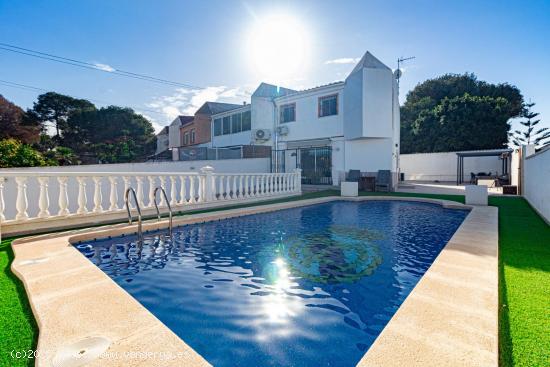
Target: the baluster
(139, 193)
(126, 180)
(227, 188)
(200, 188)
(163, 186)
(113, 197)
(2, 203)
(192, 197)
(63, 197)
(151, 191)
(254, 186)
(220, 187)
(287, 183)
(241, 177)
(234, 190)
(21, 200)
(173, 191)
(183, 197)
(245, 186)
(97, 195)
(43, 199)
(82, 200)
(262, 185)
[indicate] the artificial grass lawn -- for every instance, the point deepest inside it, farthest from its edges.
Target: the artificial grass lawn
(524, 265)
(18, 330)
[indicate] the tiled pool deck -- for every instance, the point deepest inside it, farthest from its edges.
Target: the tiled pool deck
(449, 319)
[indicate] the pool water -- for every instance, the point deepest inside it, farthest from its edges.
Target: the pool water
(308, 286)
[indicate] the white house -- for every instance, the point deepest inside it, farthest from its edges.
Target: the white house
(326, 130)
(162, 140)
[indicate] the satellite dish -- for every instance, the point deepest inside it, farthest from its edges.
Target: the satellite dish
(397, 73)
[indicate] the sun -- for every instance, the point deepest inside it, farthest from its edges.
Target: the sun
(278, 46)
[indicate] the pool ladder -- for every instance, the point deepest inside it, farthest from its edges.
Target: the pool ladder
(167, 204)
(126, 201)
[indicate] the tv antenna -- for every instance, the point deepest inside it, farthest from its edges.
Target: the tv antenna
(401, 60)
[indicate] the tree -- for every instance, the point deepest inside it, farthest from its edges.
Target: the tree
(55, 109)
(62, 156)
(539, 138)
(110, 135)
(439, 110)
(13, 153)
(15, 123)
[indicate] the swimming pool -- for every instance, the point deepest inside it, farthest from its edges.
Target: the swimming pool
(306, 286)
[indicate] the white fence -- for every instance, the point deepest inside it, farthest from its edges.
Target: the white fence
(442, 166)
(536, 182)
(66, 199)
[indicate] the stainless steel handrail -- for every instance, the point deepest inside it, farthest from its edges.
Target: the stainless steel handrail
(126, 194)
(167, 204)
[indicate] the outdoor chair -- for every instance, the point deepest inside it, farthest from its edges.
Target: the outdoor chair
(383, 180)
(353, 175)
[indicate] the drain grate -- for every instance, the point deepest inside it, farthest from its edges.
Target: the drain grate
(81, 352)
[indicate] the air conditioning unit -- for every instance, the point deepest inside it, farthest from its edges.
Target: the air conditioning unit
(262, 134)
(282, 130)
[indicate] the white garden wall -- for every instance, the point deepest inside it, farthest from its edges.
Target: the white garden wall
(536, 185)
(442, 166)
(252, 165)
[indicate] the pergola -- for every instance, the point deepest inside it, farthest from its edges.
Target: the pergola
(504, 154)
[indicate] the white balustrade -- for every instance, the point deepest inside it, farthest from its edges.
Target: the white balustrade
(184, 189)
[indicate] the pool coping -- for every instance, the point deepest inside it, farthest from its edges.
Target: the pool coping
(448, 319)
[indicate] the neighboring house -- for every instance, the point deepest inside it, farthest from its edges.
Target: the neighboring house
(327, 130)
(174, 136)
(162, 141)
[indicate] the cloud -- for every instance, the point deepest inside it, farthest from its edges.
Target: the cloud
(343, 61)
(104, 67)
(187, 101)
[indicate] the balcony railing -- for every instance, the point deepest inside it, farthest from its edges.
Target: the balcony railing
(34, 201)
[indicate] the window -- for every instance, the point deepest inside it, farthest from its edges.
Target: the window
(246, 121)
(192, 136)
(186, 138)
(217, 127)
(287, 113)
(236, 123)
(226, 125)
(328, 105)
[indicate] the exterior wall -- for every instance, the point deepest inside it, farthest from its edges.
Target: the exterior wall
(202, 126)
(162, 143)
(442, 166)
(377, 103)
(353, 108)
(368, 155)
(308, 124)
(262, 113)
(242, 138)
(536, 184)
(252, 165)
(174, 134)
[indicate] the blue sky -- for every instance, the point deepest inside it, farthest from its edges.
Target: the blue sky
(212, 44)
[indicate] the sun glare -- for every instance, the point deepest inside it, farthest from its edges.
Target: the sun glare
(278, 47)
